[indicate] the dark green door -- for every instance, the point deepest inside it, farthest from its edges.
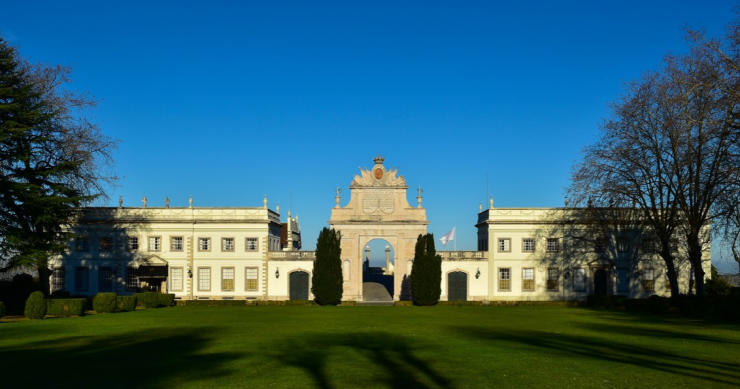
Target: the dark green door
(299, 285)
(600, 282)
(457, 284)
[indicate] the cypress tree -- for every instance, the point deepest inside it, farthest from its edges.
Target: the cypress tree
(326, 284)
(426, 273)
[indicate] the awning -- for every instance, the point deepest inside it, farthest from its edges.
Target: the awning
(149, 271)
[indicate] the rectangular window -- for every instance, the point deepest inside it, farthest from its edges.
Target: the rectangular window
(59, 279)
(579, 280)
(600, 245)
(132, 281)
(105, 279)
(227, 279)
(81, 243)
(227, 244)
(647, 245)
(251, 275)
(528, 279)
(105, 244)
(504, 279)
(648, 280)
(132, 243)
(204, 244)
(176, 276)
(82, 279)
(553, 278)
(623, 281)
(528, 245)
(504, 245)
(553, 245)
(251, 244)
(176, 243)
(204, 278)
(623, 245)
(155, 243)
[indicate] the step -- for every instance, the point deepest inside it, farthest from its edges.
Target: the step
(375, 303)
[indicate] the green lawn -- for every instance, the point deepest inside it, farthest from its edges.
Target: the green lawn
(345, 347)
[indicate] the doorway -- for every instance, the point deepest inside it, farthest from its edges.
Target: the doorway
(600, 282)
(457, 286)
(298, 285)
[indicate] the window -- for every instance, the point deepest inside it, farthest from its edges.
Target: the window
(504, 279)
(579, 280)
(553, 245)
(176, 275)
(204, 244)
(105, 244)
(504, 245)
(648, 280)
(251, 244)
(553, 276)
(59, 279)
(204, 278)
(623, 244)
(227, 279)
(176, 243)
(528, 245)
(82, 279)
(528, 278)
(623, 281)
(132, 281)
(105, 279)
(251, 276)
(81, 243)
(648, 244)
(600, 245)
(155, 243)
(227, 244)
(132, 243)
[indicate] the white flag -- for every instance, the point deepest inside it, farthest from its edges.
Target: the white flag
(450, 236)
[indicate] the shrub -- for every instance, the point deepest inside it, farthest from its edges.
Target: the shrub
(635, 305)
(326, 284)
(692, 307)
(618, 301)
(728, 308)
(165, 299)
(461, 303)
(300, 302)
(105, 302)
(66, 307)
(404, 303)
(35, 306)
(212, 303)
(2, 309)
(263, 303)
(60, 294)
(149, 299)
(426, 273)
(658, 305)
(125, 303)
(599, 301)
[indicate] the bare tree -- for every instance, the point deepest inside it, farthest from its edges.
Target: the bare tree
(672, 149)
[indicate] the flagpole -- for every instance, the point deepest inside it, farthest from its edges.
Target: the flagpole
(455, 240)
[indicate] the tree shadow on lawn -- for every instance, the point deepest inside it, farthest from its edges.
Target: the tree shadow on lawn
(390, 354)
(149, 358)
(613, 351)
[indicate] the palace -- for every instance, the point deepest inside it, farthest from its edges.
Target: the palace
(524, 254)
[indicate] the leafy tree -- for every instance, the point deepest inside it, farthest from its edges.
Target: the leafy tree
(672, 150)
(326, 284)
(426, 273)
(52, 160)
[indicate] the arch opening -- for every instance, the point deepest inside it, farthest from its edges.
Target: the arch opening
(378, 268)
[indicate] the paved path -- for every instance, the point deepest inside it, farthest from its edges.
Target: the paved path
(373, 291)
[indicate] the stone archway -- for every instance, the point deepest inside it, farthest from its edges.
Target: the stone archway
(377, 209)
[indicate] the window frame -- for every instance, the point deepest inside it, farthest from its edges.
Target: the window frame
(647, 284)
(173, 285)
(200, 244)
(130, 243)
(233, 244)
(131, 276)
(623, 244)
(158, 242)
(553, 281)
(256, 244)
(104, 281)
(500, 279)
(548, 247)
(105, 247)
(172, 243)
(59, 278)
(79, 287)
(524, 280)
(502, 240)
(247, 279)
(210, 278)
(82, 244)
(224, 269)
(525, 241)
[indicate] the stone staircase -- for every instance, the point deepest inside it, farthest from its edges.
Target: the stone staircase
(375, 294)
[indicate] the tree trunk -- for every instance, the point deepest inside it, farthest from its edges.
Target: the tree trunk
(695, 252)
(673, 279)
(44, 274)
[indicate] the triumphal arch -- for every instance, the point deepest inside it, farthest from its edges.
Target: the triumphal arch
(377, 209)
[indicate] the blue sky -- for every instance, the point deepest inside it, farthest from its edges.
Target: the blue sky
(231, 101)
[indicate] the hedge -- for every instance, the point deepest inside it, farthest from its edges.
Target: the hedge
(126, 303)
(165, 299)
(66, 307)
(658, 305)
(2, 309)
(212, 303)
(148, 299)
(600, 301)
(105, 302)
(461, 303)
(35, 306)
(635, 305)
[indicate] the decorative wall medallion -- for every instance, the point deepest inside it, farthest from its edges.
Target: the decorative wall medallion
(378, 172)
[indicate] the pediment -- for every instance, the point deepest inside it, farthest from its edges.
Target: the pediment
(153, 259)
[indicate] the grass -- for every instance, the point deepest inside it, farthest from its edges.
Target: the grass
(374, 347)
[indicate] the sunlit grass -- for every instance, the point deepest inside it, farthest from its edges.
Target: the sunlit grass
(341, 347)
